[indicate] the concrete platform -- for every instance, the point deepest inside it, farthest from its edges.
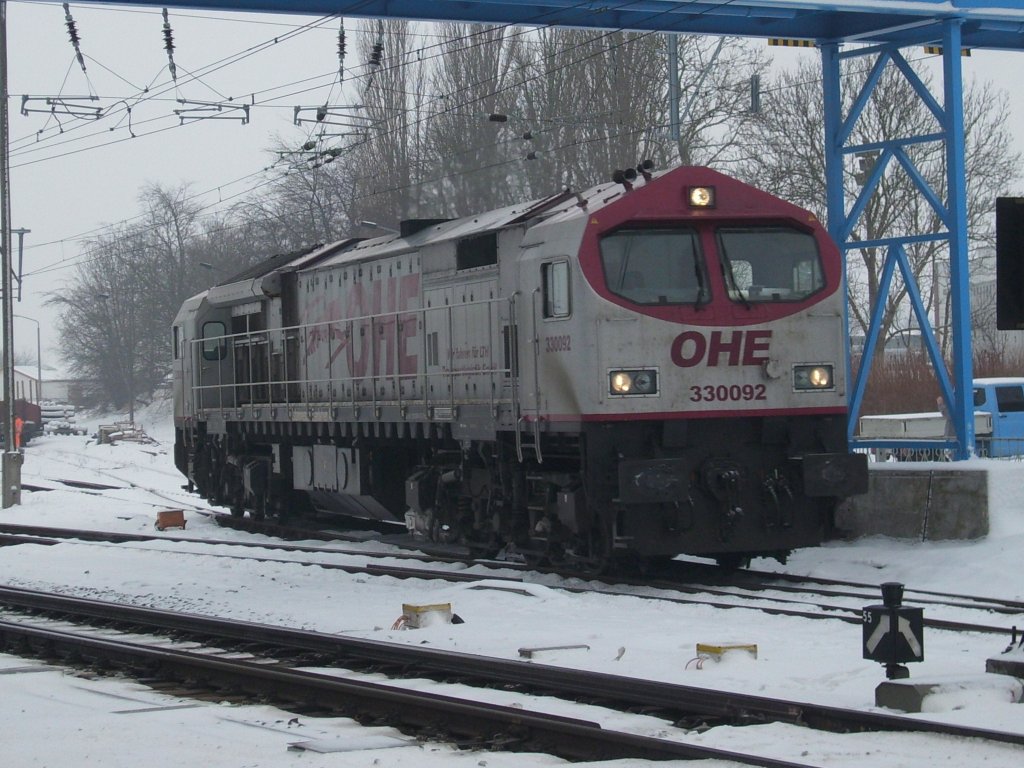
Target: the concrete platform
(947, 694)
(1009, 663)
(931, 502)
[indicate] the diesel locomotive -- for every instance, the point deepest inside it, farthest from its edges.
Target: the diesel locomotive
(649, 367)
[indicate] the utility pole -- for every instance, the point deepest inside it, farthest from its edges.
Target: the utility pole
(676, 117)
(11, 461)
(673, 88)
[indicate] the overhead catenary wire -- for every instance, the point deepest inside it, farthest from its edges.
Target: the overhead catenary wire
(478, 32)
(370, 69)
(263, 184)
(425, 181)
(148, 93)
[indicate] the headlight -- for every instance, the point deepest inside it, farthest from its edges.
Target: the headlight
(813, 377)
(700, 197)
(638, 382)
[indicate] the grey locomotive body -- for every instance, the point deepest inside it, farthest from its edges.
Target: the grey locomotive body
(646, 370)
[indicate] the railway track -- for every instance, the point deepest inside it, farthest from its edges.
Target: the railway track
(834, 601)
(262, 660)
(218, 664)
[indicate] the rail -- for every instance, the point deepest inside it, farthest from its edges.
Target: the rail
(614, 690)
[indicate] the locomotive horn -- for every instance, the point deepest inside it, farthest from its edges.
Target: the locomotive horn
(645, 169)
(625, 178)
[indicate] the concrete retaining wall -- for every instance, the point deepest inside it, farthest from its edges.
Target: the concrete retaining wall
(926, 503)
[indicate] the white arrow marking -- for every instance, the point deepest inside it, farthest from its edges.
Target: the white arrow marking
(880, 632)
(904, 628)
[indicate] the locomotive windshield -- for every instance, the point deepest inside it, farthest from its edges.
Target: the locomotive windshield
(652, 266)
(765, 264)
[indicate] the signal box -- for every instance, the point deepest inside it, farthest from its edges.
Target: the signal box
(893, 633)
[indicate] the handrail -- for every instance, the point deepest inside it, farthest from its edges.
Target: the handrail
(293, 346)
(536, 376)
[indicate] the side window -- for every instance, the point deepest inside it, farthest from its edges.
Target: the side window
(1010, 399)
(176, 342)
(979, 397)
(215, 346)
(555, 278)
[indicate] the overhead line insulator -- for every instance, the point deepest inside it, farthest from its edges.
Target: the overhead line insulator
(169, 47)
(341, 51)
(69, 21)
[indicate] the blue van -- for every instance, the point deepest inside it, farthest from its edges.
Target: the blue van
(1003, 398)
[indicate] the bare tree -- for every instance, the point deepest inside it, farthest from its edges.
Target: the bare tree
(467, 152)
(116, 312)
(385, 171)
(785, 153)
(308, 199)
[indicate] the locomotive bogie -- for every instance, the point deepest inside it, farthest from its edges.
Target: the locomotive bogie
(584, 377)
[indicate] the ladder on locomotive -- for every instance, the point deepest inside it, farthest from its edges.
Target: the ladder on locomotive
(522, 418)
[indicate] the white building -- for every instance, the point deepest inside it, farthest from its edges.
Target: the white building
(26, 384)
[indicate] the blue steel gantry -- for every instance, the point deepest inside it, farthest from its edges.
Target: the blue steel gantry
(878, 28)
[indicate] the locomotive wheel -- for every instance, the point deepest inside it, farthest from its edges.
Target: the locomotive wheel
(732, 561)
(653, 567)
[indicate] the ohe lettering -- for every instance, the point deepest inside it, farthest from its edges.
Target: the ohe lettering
(692, 348)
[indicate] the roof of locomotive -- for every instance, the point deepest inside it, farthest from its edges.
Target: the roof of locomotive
(561, 203)
(557, 208)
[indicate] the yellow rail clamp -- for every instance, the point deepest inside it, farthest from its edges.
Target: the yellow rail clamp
(937, 50)
(419, 616)
(717, 650)
(791, 43)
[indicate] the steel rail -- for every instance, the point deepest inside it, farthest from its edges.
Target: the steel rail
(625, 691)
(821, 611)
(563, 736)
(710, 576)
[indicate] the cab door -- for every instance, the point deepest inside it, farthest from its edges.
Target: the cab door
(212, 357)
(1008, 421)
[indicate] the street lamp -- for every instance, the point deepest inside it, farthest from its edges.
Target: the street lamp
(39, 358)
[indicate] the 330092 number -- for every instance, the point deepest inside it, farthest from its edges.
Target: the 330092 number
(711, 393)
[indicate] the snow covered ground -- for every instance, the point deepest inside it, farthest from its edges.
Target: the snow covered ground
(50, 717)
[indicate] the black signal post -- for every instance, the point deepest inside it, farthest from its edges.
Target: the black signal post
(893, 633)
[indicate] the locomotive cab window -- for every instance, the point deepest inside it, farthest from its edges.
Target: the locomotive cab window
(655, 266)
(555, 279)
(215, 346)
(767, 264)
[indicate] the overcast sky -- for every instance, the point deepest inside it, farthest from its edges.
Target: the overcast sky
(71, 178)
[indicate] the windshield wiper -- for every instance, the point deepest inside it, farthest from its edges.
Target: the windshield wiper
(731, 278)
(701, 291)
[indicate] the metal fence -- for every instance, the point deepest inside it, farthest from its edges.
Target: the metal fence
(1002, 448)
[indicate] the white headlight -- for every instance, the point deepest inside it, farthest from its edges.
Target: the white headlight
(633, 382)
(701, 197)
(622, 382)
(813, 377)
